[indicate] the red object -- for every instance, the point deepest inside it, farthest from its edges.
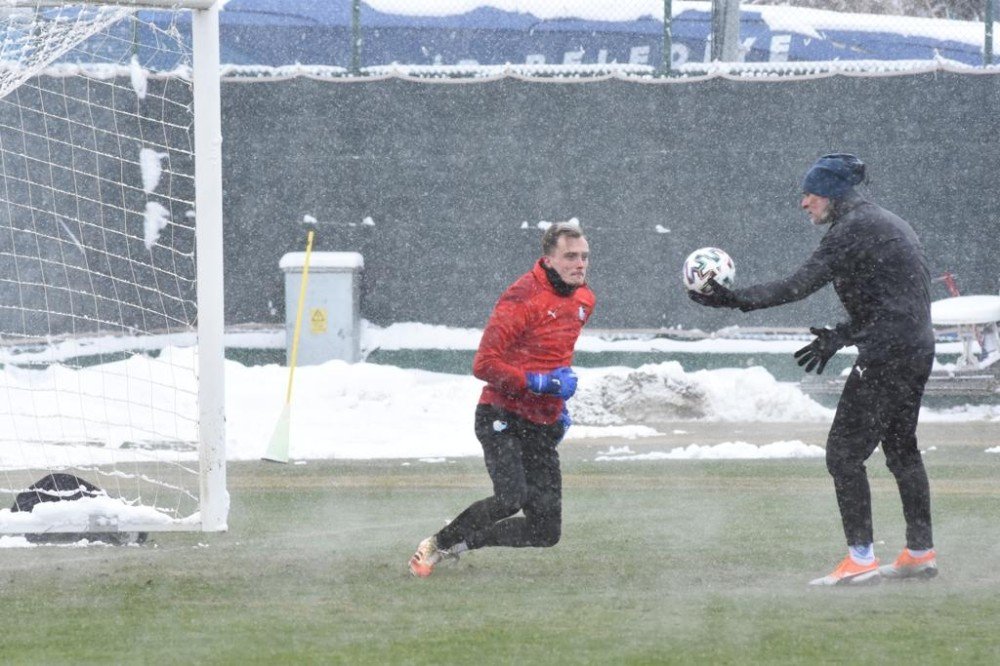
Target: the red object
(949, 283)
(531, 329)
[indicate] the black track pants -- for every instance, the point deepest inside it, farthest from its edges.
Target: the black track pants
(523, 462)
(880, 404)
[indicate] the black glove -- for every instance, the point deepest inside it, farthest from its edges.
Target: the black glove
(819, 351)
(719, 297)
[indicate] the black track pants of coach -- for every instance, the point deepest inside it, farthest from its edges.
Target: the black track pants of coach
(523, 462)
(880, 404)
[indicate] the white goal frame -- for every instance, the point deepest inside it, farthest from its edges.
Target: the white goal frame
(213, 495)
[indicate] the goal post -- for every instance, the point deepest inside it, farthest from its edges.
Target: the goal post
(211, 319)
(111, 266)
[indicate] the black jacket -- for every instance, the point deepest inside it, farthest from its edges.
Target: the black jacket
(877, 266)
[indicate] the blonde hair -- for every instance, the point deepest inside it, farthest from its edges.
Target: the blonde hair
(557, 230)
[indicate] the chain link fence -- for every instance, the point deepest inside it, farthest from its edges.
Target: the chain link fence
(853, 30)
(582, 38)
(631, 37)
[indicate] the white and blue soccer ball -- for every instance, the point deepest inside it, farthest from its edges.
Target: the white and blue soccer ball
(705, 264)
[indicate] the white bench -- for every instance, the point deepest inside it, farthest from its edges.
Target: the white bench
(976, 319)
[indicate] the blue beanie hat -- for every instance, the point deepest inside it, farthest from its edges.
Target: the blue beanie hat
(834, 175)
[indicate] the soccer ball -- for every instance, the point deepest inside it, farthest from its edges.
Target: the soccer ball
(706, 263)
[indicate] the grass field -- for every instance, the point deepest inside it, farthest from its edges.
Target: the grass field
(660, 562)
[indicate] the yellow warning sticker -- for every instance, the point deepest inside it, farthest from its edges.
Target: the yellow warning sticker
(317, 320)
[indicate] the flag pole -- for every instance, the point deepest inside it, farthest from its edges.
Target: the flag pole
(277, 447)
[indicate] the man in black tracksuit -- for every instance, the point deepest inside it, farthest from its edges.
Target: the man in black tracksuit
(878, 270)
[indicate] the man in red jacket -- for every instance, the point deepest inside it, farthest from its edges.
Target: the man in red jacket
(524, 357)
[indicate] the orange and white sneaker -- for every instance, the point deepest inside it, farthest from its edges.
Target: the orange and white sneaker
(427, 556)
(849, 572)
(909, 566)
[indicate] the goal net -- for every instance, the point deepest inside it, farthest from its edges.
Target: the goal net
(110, 284)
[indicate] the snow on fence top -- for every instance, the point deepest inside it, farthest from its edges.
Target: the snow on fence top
(303, 37)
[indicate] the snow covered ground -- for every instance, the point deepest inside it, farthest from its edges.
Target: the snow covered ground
(66, 415)
(367, 410)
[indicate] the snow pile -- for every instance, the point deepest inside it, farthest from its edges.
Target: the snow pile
(723, 451)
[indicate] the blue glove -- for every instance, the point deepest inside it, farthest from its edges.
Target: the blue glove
(560, 382)
(565, 419)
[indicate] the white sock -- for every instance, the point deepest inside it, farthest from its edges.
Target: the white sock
(862, 554)
(918, 553)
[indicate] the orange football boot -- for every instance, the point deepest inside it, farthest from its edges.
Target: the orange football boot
(428, 555)
(849, 572)
(908, 566)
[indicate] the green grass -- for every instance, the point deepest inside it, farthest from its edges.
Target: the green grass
(660, 562)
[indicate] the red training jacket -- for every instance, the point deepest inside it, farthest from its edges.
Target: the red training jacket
(531, 329)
